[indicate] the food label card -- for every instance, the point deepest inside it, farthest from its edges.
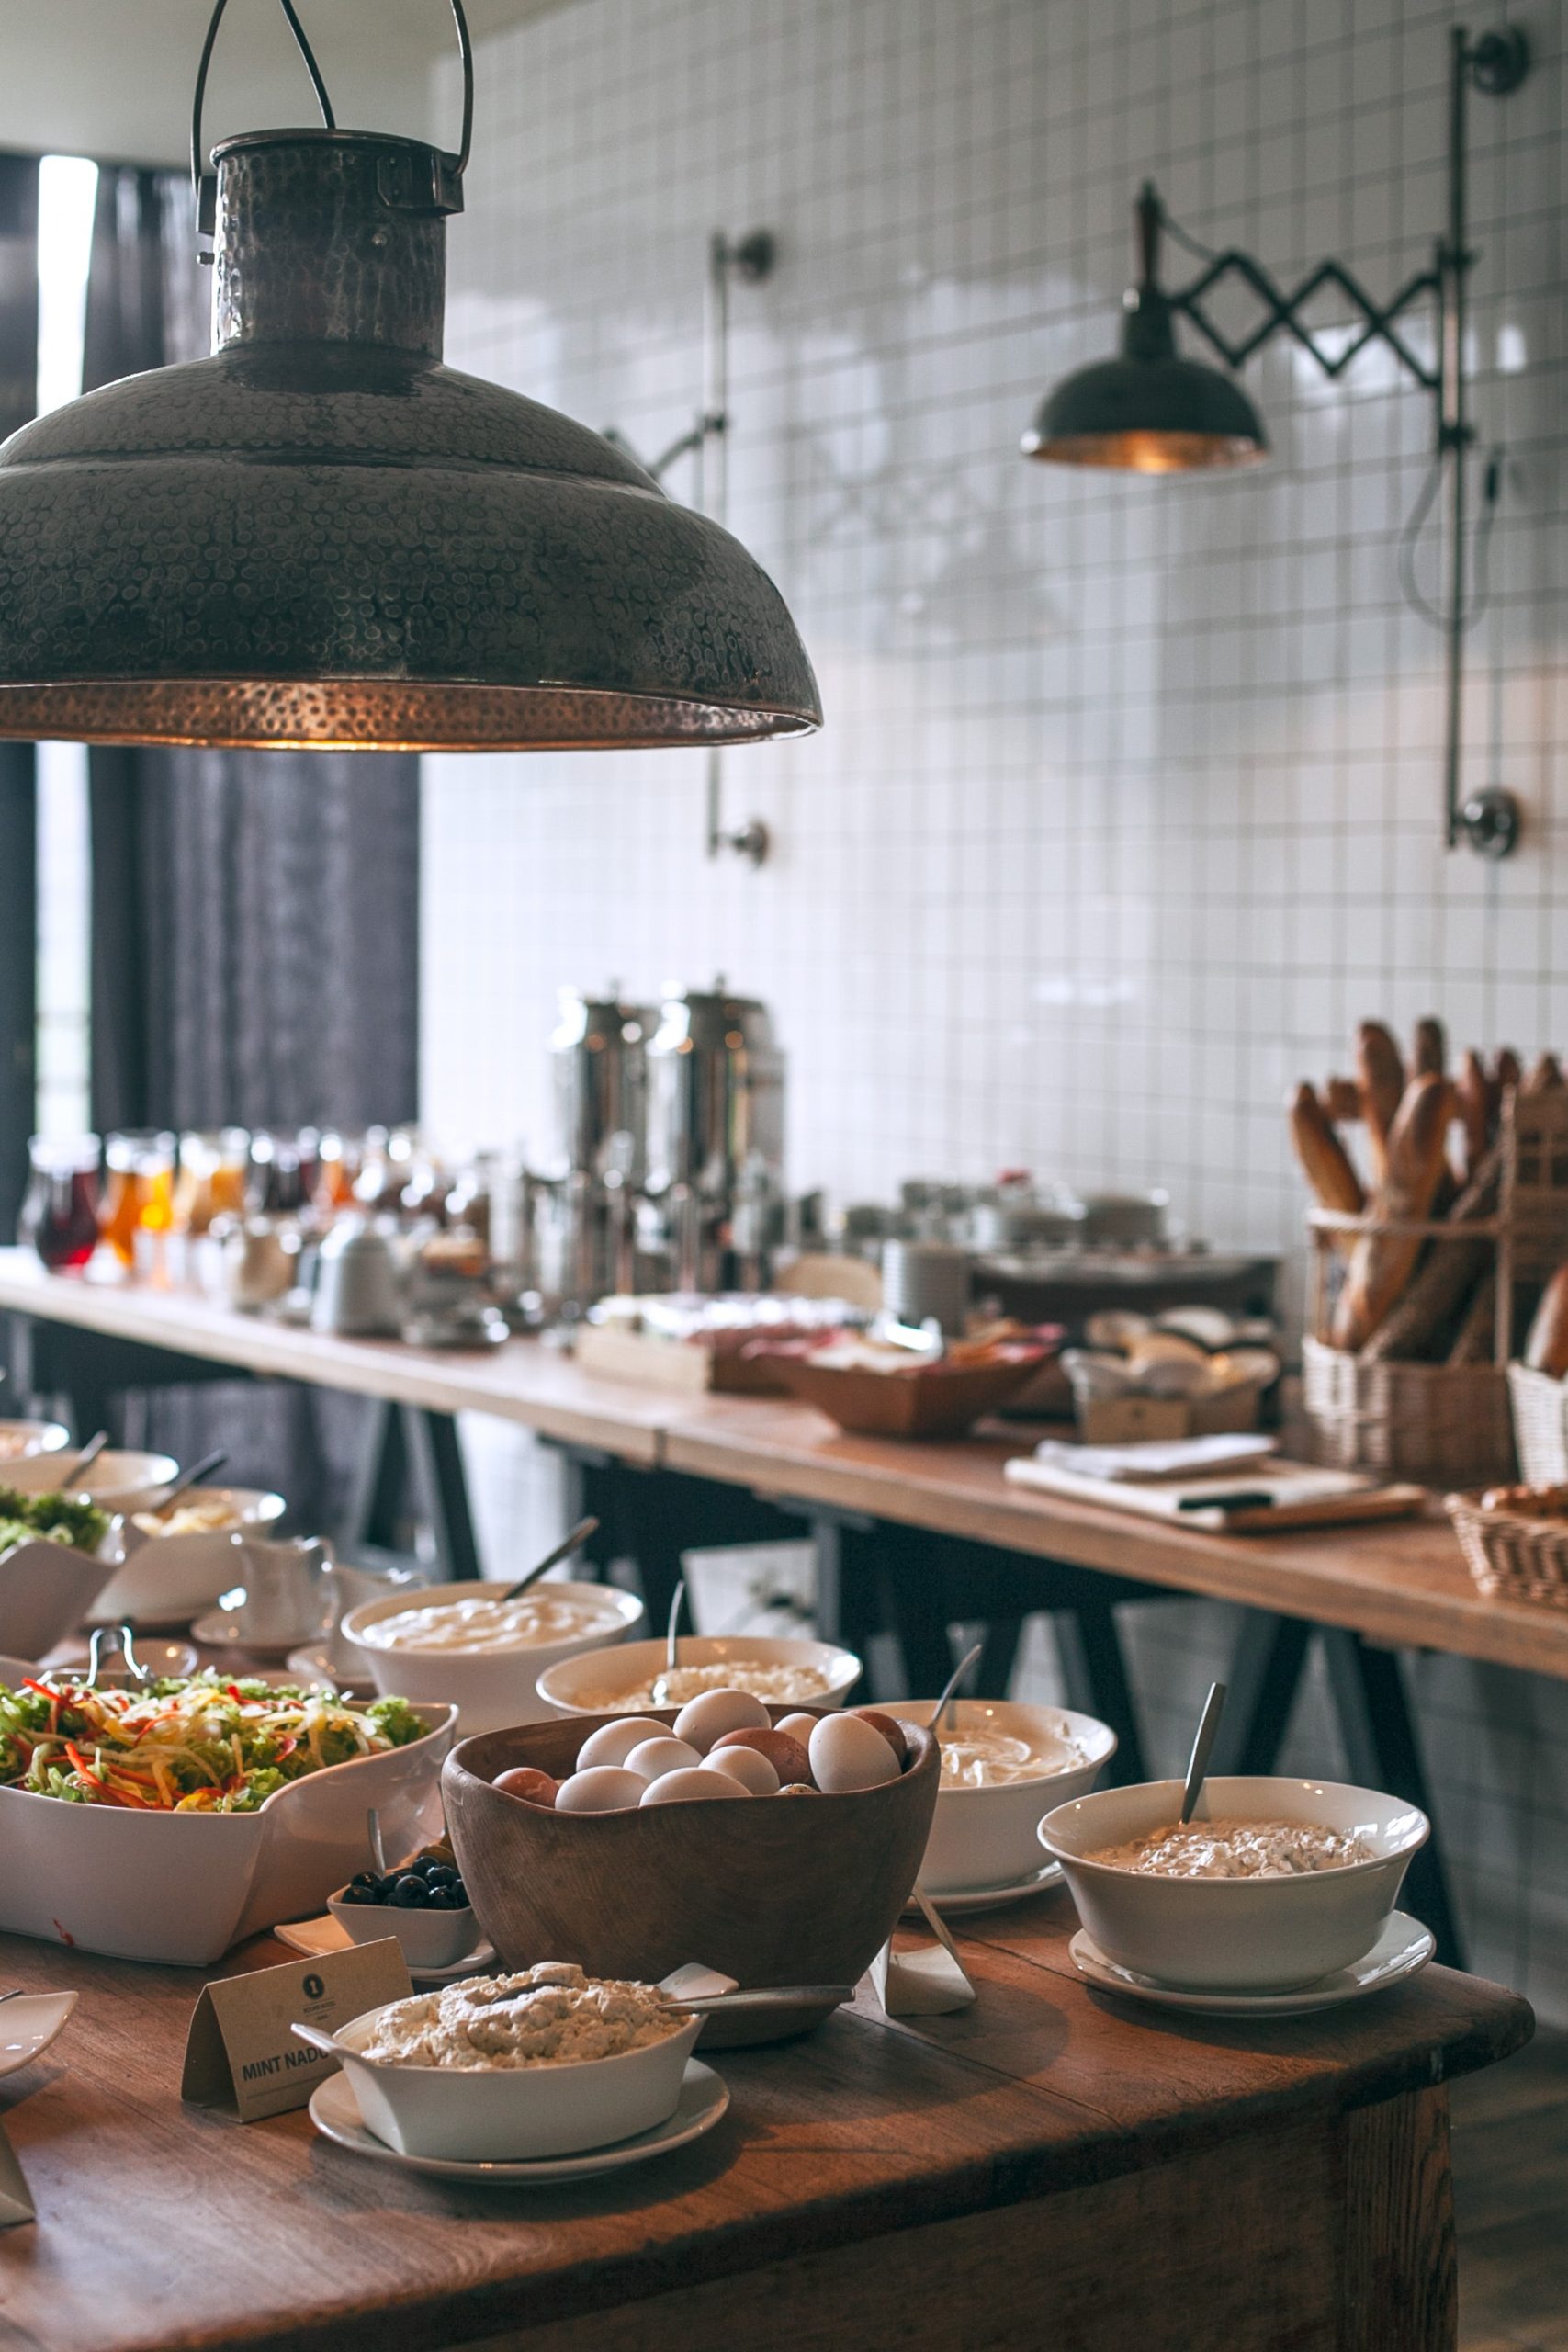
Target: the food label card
(240, 2052)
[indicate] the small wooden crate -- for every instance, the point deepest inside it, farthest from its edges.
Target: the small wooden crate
(1510, 1556)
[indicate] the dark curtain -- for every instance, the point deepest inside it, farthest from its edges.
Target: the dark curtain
(255, 915)
(18, 841)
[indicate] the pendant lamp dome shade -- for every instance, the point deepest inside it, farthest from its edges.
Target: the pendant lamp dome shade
(321, 537)
(1149, 410)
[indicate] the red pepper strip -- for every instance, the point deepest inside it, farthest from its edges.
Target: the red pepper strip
(235, 1692)
(83, 1767)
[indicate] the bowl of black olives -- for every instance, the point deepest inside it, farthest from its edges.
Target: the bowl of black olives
(422, 1902)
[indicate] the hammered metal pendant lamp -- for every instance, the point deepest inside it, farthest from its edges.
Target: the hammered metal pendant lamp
(320, 538)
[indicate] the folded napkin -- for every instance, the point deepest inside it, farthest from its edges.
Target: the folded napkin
(925, 1984)
(16, 2198)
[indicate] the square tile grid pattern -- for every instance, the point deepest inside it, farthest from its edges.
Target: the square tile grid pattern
(1127, 806)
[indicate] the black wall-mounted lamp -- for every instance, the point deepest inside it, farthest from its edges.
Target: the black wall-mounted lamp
(1152, 412)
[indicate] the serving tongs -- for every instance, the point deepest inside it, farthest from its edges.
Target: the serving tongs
(109, 1641)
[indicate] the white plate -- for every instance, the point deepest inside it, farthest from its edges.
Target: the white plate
(316, 1937)
(334, 2112)
(220, 1630)
(27, 2025)
(1404, 1948)
(313, 1665)
(970, 1899)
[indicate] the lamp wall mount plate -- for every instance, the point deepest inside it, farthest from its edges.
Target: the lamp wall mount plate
(1151, 411)
(322, 537)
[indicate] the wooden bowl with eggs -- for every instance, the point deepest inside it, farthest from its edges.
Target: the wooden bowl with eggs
(781, 1890)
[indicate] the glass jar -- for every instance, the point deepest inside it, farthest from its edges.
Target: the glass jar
(60, 1216)
(139, 1192)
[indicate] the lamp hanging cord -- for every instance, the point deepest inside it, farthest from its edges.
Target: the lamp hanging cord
(301, 42)
(1480, 559)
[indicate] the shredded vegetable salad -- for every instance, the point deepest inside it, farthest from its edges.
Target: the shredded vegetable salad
(201, 1745)
(58, 1518)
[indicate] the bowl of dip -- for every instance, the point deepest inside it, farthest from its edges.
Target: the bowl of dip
(783, 1671)
(1273, 1884)
(178, 1557)
(25, 1441)
(467, 1643)
(1002, 1765)
(499, 2069)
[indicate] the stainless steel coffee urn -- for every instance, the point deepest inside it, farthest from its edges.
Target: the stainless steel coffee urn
(716, 1118)
(586, 1216)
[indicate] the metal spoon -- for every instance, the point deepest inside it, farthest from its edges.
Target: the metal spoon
(87, 1457)
(1198, 1763)
(670, 1639)
(568, 1544)
(951, 1685)
(193, 1476)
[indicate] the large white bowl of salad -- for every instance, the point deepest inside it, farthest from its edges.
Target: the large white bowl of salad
(167, 1822)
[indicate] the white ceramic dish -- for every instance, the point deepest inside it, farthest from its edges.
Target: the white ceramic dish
(182, 1887)
(314, 1664)
(166, 1580)
(976, 1899)
(703, 2100)
(315, 1938)
(46, 1590)
(1235, 1935)
(28, 2024)
(491, 1688)
(117, 1481)
(595, 1686)
(432, 1940)
(512, 2113)
(986, 1837)
(29, 1439)
(1402, 1950)
(225, 1630)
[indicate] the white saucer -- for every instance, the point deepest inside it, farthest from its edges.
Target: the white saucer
(971, 1899)
(334, 2112)
(316, 1937)
(1404, 1948)
(220, 1630)
(28, 2024)
(313, 1665)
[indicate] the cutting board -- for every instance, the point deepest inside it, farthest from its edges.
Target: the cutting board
(1300, 1497)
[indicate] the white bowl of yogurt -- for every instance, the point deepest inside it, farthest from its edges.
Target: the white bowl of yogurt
(496, 2070)
(1002, 1764)
(465, 1643)
(1274, 1882)
(784, 1670)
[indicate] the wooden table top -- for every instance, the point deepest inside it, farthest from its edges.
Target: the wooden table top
(163, 2225)
(1399, 1582)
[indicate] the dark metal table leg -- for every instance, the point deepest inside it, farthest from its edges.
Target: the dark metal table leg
(1383, 1752)
(1264, 1677)
(435, 1455)
(999, 1655)
(1095, 1671)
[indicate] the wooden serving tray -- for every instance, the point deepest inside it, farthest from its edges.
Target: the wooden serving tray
(1300, 1497)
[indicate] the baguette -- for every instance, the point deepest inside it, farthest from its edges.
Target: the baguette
(1509, 1072)
(1473, 1341)
(1545, 1078)
(1418, 1327)
(1380, 1076)
(1381, 1263)
(1342, 1100)
(1321, 1153)
(1431, 1046)
(1472, 1092)
(1546, 1342)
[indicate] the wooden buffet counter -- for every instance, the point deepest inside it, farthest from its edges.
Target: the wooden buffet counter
(1046, 2167)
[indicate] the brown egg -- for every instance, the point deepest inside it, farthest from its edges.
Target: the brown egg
(526, 1782)
(787, 1756)
(800, 1789)
(893, 1733)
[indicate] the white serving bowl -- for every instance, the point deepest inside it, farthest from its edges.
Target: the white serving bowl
(593, 1686)
(509, 2114)
(117, 1481)
(429, 1939)
(47, 1588)
(989, 1836)
(26, 1440)
(171, 1579)
(1243, 1935)
(182, 1887)
(491, 1688)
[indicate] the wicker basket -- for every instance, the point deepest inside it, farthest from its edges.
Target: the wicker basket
(1540, 1425)
(1512, 1556)
(1443, 1425)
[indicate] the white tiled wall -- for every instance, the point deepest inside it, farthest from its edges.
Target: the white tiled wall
(1126, 808)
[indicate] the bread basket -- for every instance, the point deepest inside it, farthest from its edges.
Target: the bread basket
(1540, 1425)
(1511, 1556)
(1441, 1424)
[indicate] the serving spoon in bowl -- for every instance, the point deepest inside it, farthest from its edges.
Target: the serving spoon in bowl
(1202, 1747)
(563, 1550)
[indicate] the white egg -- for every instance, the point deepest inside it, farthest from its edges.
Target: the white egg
(612, 1743)
(748, 1766)
(690, 1786)
(713, 1712)
(848, 1754)
(651, 1758)
(603, 1787)
(799, 1726)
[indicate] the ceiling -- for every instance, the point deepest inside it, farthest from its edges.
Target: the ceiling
(112, 78)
